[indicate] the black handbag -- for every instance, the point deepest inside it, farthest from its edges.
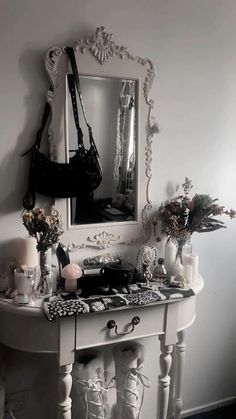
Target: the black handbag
(83, 173)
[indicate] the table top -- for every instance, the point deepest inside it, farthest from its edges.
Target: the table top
(35, 308)
(45, 336)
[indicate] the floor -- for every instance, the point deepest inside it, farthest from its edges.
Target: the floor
(227, 412)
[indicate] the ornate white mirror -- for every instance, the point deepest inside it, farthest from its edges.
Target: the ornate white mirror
(115, 87)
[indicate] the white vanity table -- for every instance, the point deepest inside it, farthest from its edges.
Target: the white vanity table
(167, 319)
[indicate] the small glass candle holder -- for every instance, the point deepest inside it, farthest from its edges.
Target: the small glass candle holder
(23, 284)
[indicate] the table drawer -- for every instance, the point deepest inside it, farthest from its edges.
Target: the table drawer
(92, 330)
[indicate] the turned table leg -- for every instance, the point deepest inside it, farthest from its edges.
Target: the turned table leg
(64, 389)
(164, 378)
(172, 386)
(66, 356)
(179, 365)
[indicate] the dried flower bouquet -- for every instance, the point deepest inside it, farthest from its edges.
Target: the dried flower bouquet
(181, 216)
(46, 228)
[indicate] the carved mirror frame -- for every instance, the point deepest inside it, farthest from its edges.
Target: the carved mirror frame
(100, 56)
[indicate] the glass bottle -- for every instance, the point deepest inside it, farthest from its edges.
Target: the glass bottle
(43, 283)
(184, 247)
(160, 272)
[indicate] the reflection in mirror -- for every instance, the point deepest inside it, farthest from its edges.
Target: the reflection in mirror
(111, 110)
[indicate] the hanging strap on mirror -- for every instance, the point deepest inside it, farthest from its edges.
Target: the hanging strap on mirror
(71, 84)
(71, 56)
(46, 112)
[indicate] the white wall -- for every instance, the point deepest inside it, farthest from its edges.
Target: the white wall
(192, 44)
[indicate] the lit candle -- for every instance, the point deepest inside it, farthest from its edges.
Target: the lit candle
(191, 260)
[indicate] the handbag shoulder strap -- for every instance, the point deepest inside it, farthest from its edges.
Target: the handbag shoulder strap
(71, 56)
(39, 134)
(71, 84)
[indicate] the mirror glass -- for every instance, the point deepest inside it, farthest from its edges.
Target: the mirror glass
(111, 110)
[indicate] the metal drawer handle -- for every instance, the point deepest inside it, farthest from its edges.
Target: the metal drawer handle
(112, 324)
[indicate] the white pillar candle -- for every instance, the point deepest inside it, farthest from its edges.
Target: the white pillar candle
(27, 252)
(192, 260)
(188, 274)
(170, 256)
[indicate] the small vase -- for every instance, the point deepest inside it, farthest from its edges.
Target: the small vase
(43, 287)
(169, 255)
(183, 247)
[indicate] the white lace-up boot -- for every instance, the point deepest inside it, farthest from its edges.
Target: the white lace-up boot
(89, 391)
(130, 382)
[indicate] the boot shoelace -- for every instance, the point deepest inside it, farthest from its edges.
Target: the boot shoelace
(134, 374)
(97, 386)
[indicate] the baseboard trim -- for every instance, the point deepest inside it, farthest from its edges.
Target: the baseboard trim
(209, 406)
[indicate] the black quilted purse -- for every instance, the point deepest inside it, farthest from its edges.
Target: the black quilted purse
(83, 173)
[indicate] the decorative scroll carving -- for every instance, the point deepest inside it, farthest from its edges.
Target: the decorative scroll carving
(101, 46)
(152, 129)
(104, 239)
(73, 247)
(51, 64)
(52, 146)
(101, 240)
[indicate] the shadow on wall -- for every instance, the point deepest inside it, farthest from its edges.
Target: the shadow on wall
(9, 249)
(14, 168)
